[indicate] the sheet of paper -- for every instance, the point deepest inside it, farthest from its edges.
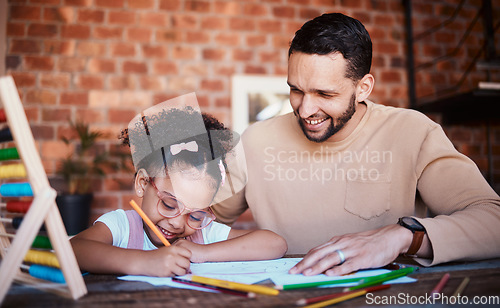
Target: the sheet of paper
(251, 272)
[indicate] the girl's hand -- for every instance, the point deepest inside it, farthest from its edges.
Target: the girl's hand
(166, 261)
(198, 253)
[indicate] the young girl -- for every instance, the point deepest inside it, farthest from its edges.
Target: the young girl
(177, 180)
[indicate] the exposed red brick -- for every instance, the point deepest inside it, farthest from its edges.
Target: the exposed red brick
(90, 48)
(41, 96)
(212, 85)
(120, 115)
(122, 82)
(255, 69)
(42, 30)
(107, 33)
(198, 6)
(197, 37)
(121, 17)
(71, 64)
(141, 4)
(214, 54)
(88, 15)
(135, 67)
(64, 48)
(59, 14)
(170, 5)
(139, 34)
(243, 55)
(254, 9)
(227, 7)
(243, 24)
(122, 49)
(25, 46)
(74, 98)
(231, 39)
(38, 63)
(267, 26)
(42, 132)
(256, 40)
(75, 31)
(101, 66)
(81, 3)
(165, 67)
(24, 79)
(153, 19)
(183, 52)
(168, 35)
(110, 3)
(25, 12)
(89, 82)
(213, 23)
(184, 21)
(55, 80)
(154, 51)
(284, 11)
(15, 29)
(152, 83)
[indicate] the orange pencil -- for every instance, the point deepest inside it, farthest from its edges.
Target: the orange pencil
(149, 223)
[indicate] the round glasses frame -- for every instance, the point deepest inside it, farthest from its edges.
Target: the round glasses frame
(209, 216)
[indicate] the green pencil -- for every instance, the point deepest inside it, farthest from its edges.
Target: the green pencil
(371, 281)
(317, 283)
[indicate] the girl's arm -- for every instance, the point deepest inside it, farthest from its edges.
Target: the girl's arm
(241, 245)
(95, 253)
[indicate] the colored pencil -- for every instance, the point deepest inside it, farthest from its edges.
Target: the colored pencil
(341, 281)
(149, 223)
(338, 299)
(379, 279)
(461, 287)
(439, 287)
(317, 283)
(215, 288)
(235, 285)
(312, 300)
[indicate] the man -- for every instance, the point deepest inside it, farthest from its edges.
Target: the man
(344, 179)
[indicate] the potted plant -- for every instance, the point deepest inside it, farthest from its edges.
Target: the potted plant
(78, 170)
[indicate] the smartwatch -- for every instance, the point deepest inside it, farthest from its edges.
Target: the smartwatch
(418, 234)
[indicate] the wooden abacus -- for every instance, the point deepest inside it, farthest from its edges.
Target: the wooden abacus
(14, 249)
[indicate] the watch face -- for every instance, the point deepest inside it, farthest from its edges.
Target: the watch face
(412, 224)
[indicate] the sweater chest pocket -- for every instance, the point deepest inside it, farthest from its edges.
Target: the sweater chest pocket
(368, 198)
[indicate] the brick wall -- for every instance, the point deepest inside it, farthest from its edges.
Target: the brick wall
(103, 61)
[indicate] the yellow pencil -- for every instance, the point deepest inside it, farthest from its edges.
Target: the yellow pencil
(149, 222)
(235, 285)
(337, 300)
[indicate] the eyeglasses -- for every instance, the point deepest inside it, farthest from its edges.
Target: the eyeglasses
(169, 207)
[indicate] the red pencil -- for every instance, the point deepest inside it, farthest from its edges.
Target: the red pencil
(439, 287)
(308, 301)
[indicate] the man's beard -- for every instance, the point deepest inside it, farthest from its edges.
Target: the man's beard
(333, 128)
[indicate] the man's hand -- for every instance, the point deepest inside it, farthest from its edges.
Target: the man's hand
(369, 249)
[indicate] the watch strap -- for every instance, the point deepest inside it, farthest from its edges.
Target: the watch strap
(418, 237)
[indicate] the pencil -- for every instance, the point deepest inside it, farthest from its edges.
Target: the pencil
(312, 300)
(149, 223)
(439, 287)
(317, 283)
(338, 299)
(461, 287)
(379, 279)
(235, 285)
(209, 287)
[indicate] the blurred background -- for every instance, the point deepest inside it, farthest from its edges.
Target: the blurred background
(103, 61)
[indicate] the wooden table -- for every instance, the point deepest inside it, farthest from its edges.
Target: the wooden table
(108, 291)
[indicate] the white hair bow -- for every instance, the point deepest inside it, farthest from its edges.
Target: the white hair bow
(190, 146)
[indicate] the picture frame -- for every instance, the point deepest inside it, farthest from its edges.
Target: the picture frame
(258, 97)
